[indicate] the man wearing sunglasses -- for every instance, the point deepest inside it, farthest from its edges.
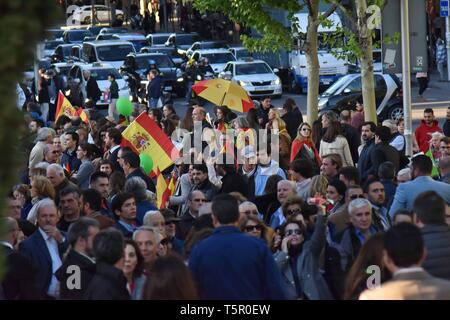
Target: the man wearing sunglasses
(195, 200)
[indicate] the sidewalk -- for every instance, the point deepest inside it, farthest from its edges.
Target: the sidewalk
(436, 91)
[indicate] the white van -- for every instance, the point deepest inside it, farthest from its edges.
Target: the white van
(331, 68)
(107, 51)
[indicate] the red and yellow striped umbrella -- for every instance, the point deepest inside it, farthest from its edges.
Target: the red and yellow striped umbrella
(224, 93)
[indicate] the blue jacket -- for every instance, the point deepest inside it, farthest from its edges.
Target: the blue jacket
(141, 209)
(71, 159)
(230, 265)
(407, 192)
(154, 88)
(35, 250)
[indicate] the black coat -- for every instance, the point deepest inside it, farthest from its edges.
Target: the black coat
(185, 225)
(250, 182)
(382, 153)
(293, 119)
(437, 241)
(113, 157)
(267, 204)
(109, 283)
(234, 182)
(353, 138)
(208, 189)
(93, 92)
(365, 165)
(87, 268)
(18, 280)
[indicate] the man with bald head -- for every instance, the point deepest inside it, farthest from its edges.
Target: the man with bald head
(17, 281)
(285, 189)
(44, 250)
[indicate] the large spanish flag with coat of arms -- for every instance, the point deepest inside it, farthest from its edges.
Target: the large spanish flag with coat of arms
(143, 135)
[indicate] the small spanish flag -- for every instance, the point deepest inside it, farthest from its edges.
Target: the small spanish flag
(161, 187)
(65, 107)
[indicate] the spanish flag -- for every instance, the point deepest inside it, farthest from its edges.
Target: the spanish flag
(65, 107)
(143, 135)
(161, 189)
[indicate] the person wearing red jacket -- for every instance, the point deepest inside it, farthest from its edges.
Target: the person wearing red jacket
(303, 147)
(427, 126)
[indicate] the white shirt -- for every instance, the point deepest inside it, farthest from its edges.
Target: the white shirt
(408, 270)
(52, 247)
(114, 148)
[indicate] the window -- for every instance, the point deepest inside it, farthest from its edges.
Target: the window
(355, 85)
(161, 61)
(252, 68)
(114, 52)
(228, 67)
(219, 57)
(102, 74)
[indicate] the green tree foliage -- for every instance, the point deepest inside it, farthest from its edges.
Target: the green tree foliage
(22, 25)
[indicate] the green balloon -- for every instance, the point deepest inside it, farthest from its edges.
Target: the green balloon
(146, 162)
(124, 106)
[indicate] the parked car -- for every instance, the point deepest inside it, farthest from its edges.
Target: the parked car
(113, 30)
(348, 89)
(240, 53)
(54, 34)
(76, 35)
(199, 45)
(65, 52)
(138, 40)
(182, 41)
(157, 39)
(255, 76)
(177, 58)
(107, 51)
(83, 14)
(50, 46)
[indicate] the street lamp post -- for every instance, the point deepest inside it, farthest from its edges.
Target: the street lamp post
(406, 71)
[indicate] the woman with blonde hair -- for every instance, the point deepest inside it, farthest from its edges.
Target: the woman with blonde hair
(255, 227)
(277, 126)
(41, 188)
(303, 147)
(319, 185)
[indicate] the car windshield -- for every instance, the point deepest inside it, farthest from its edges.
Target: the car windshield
(335, 86)
(160, 60)
(184, 39)
(159, 39)
(114, 52)
(102, 74)
(252, 68)
(138, 44)
(219, 57)
(240, 54)
(51, 45)
(79, 35)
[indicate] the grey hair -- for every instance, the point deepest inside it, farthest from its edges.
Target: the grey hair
(149, 229)
(242, 122)
(43, 134)
(358, 203)
(148, 214)
(42, 165)
(58, 169)
(9, 224)
(246, 203)
(137, 187)
(291, 183)
(405, 172)
(44, 203)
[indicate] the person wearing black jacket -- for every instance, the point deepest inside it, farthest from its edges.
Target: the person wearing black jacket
(80, 237)
(231, 180)
(293, 117)
(365, 165)
(153, 88)
(351, 134)
(93, 92)
(109, 282)
(131, 168)
(382, 151)
(17, 282)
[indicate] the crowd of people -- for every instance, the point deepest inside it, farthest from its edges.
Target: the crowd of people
(299, 212)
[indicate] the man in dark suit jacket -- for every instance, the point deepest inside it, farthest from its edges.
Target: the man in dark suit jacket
(109, 283)
(365, 165)
(44, 250)
(113, 138)
(93, 92)
(18, 279)
(382, 151)
(131, 167)
(80, 237)
(231, 180)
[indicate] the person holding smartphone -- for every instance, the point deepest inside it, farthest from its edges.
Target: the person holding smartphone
(298, 260)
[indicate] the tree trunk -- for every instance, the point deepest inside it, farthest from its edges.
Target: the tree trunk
(312, 63)
(367, 79)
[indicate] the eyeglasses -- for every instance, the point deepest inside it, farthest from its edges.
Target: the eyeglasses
(251, 228)
(293, 231)
(199, 200)
(356, 196)
(306, 129)
(294, 211)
